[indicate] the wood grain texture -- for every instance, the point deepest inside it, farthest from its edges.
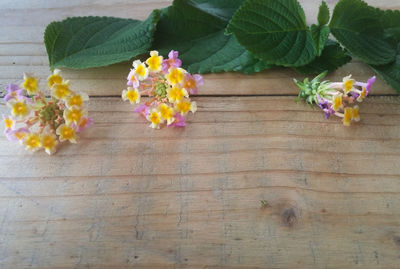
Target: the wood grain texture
(128, 196)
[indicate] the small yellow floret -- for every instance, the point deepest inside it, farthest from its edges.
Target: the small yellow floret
(141, 70)
(337, 102)
(175, 76)
(132, 95)
(76, 100)
(155, 61)
(74, 114)
(30, 84)
(362, 95)
(176, 94)
(19, 109)
(19, 135)
(54, 78)
(348, 84)
(49, 143)
(355, 113)
(32, 141)
(166, 113)
(185, 106)
(66, 132)
(348, 114)
(61, 91)
(155, 118)
(9, 122)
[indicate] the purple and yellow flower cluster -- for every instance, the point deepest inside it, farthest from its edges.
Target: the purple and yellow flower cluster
(168, 86)
(38, 122)
(336, 98)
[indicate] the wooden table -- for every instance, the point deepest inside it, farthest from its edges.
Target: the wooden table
(130, 196)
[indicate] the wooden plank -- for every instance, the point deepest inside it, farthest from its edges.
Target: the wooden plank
(22, 50)
(130, 196)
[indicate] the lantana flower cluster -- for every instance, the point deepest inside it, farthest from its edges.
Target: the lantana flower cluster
(336, 98)
(39, 122)
(168, 86)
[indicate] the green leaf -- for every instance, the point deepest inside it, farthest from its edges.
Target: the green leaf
(83, 42)
(320, 35)
(323, 14)
(333, 57)
(196, 29)
(274, 31)
(391, 23)
(358, 28)
(390, 72)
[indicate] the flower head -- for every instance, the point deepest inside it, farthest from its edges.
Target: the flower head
(30, 84)
(164, 81)
(336, 98)
(40, 122)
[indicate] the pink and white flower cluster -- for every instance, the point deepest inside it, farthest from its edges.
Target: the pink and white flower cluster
(168, 86)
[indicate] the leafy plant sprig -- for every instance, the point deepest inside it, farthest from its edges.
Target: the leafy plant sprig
(237, 35)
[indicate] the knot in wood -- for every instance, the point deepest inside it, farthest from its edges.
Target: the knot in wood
(289, 217)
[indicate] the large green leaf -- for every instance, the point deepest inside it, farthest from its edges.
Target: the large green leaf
(332, 57)
(391, 23)
(358, 27)
(323, 14)
(196, 29)
(390, 72)
(275, 31)
(83, 42)
(320, 35)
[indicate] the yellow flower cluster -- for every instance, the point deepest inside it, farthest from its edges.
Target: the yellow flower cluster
(167, 84)
(42, 123)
